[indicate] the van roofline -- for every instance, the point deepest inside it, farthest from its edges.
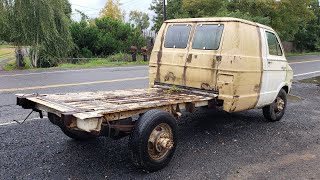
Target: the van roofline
(218, 19)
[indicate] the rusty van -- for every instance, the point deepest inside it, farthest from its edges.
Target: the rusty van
(226, 63)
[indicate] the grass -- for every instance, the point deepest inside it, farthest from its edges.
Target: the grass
(114, 60)
(302, 54)
(100, 63)
(5, 51)
(6, 46)
(11, 65)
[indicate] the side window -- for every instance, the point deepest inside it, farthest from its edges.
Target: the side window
(177, 36)
(207, 36)
(273, 44)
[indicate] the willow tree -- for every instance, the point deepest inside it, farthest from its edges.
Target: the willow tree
(42, 25)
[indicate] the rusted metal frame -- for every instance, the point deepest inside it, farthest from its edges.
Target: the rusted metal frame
(174, 109)
(195, 91)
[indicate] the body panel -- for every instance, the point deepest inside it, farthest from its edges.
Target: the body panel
(276, 73)
(241, 70)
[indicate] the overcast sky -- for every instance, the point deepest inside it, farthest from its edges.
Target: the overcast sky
(93, 7)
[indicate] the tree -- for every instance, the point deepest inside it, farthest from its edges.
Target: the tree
(112, 10)
(42, 25)
(286, 16)
(140, 19)
(308, 37)
(104, 37)
(203, 8)
(174, 10)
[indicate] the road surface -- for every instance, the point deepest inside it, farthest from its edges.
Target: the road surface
(228, 146)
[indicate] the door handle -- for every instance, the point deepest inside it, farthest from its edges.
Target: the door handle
(269, 62)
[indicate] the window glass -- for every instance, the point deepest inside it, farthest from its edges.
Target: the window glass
(177, 36)
(274, 45)
(207, 37)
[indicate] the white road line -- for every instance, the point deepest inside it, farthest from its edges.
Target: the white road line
(66, 71)
(297, 75)
(15, 123)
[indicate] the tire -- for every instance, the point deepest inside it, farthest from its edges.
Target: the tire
(73, 134)
(272, 112)
(146, 153)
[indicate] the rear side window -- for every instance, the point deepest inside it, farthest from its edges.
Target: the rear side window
(274, 45)
(207, 36)
(177, 36)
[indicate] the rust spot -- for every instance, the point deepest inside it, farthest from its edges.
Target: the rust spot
(205, 86)
(219, 58)
(170, 76)
(159, 58)
(189, 58)
(256, 88)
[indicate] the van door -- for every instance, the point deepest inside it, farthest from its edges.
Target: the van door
(173, 53)
(274, 67)
(203, 57)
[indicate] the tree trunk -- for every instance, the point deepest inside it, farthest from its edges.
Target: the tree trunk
(34, 57)
(19, 57)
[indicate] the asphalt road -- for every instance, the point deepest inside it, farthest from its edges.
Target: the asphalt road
(220, 146)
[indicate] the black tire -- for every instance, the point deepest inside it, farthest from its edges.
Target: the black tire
(139, 140)
(76, 135)
(270, 112)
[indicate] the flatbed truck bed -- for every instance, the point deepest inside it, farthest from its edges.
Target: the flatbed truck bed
(88, 111)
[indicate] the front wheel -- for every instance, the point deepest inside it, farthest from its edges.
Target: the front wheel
(153, 140)
(275, 111)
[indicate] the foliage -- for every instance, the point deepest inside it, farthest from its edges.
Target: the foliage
(308, 38)
(113, 60)
(140, 19)
(174, 10)
(294, 20)
(203, 8)
(286, 16)
(112, 10)
(104, 37)
(41, 24)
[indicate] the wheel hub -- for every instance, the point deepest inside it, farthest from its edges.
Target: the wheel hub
(280, 104)
(160, 141)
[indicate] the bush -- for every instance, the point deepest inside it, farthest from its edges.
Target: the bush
(103, 37)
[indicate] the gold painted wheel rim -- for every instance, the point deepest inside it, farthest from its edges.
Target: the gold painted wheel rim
(160, 141)
(279, 105)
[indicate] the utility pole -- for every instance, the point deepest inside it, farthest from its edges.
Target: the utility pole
(164, 10)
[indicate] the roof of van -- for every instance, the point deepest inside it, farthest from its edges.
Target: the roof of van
(218, 19)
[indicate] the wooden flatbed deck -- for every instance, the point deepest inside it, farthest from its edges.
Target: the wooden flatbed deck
(116, 105)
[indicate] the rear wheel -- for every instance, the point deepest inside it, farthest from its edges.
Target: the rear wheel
(74, 134)
(275, 111)
(153, 141)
